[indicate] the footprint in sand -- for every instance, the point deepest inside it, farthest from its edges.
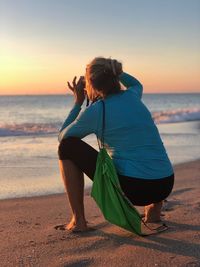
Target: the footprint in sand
(79, 262)
(24, 222)
(32, 243)
(193, 264)
(62, 227)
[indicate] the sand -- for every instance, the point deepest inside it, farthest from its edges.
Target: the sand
(28, 236)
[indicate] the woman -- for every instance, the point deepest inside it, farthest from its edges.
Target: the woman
(131, 138)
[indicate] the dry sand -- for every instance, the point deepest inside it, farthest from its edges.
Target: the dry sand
(28, 236)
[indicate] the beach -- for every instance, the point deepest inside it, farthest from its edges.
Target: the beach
(28, 236)
(32, 199)
(59, 59)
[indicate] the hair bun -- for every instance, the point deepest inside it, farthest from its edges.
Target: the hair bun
(113, 67)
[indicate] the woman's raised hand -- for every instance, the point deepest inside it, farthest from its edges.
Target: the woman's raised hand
(78, 89)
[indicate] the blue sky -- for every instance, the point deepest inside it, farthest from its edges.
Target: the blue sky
(156, 40)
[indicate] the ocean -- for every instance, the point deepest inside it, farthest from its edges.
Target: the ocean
(29, 127)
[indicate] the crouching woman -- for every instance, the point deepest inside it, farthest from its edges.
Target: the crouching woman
(131, 137)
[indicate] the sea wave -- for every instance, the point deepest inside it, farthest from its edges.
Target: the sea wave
(26, 129)
(177, 115)
(32, 129)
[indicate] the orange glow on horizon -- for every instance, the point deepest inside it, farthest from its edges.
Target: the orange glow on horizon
(26, 73)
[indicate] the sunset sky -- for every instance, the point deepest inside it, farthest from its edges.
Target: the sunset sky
(44, 43)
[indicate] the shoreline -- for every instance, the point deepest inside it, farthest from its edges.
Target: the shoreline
(29, 237)
(37, 173)
(87, 188)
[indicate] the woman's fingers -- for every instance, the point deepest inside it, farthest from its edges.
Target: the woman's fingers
(74, 81)
(78, 89)
(79, 82)
(70, 87)
(76, 85)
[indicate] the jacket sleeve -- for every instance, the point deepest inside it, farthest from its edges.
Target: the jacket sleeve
(79, 125)
(71, 116)
(131, 83)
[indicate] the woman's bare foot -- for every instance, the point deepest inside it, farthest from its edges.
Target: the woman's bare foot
(71, 224)
(153, 212)
(79, 225)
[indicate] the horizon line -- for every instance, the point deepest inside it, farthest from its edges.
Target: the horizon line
(61, 94)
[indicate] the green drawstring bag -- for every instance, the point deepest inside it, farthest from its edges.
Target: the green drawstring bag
(107, 192)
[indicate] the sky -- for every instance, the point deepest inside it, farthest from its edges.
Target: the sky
(45, 43)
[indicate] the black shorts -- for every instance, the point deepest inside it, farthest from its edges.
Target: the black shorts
(141, 192)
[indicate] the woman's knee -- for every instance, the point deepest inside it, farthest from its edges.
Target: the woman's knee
(66, 147)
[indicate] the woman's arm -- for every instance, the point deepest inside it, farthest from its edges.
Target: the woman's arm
(79, 97)
(84, 124)
(72, 116)
(131, 83)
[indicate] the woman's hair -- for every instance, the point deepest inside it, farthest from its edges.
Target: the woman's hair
(102, 75)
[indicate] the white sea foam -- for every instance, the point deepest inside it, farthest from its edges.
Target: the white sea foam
(177, 115)
(161, 117)
(28, 129)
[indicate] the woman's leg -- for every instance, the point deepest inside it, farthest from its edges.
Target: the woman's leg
(74, 185)
(76, 157)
